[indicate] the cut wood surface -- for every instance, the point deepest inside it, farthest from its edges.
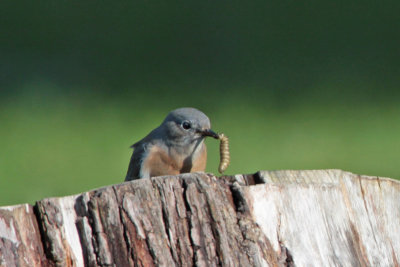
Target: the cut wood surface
(271, 218)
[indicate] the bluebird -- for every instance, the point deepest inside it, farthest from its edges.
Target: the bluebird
(176, 146)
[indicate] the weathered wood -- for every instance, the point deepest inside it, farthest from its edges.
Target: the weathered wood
(272, 218)
(20, 243)
(329, 217)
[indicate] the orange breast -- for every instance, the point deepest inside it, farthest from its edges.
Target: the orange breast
(160, 162)
(199, 161)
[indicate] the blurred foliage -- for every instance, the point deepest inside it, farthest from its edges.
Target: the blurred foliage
(295, 85)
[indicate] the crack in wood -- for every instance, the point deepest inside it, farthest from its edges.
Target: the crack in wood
(366, 205)
(286, 258)
(189, 215)
(43, 237)
(124, 229)
(157, 186)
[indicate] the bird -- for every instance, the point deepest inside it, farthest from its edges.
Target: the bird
(176, 146)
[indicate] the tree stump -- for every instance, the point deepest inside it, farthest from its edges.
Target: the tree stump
(271, 218)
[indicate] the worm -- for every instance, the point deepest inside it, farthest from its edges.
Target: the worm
(223, 153)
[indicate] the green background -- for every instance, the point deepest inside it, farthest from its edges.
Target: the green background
(295, 85)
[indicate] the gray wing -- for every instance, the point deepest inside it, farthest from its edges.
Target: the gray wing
(138, 153)
(136, 161)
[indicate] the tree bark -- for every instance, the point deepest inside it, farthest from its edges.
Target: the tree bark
(271, 218)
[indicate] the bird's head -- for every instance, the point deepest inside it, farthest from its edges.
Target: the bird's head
(187, 125)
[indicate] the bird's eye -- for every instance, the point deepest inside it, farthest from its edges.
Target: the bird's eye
(186, 125)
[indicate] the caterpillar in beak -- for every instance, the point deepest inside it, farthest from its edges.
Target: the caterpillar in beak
(223, 152)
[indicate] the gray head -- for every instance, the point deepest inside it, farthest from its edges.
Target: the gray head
(187, 125)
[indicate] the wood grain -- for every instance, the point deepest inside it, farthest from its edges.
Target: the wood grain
(271, 218)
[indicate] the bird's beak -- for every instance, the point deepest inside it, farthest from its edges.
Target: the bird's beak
(209, 132)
